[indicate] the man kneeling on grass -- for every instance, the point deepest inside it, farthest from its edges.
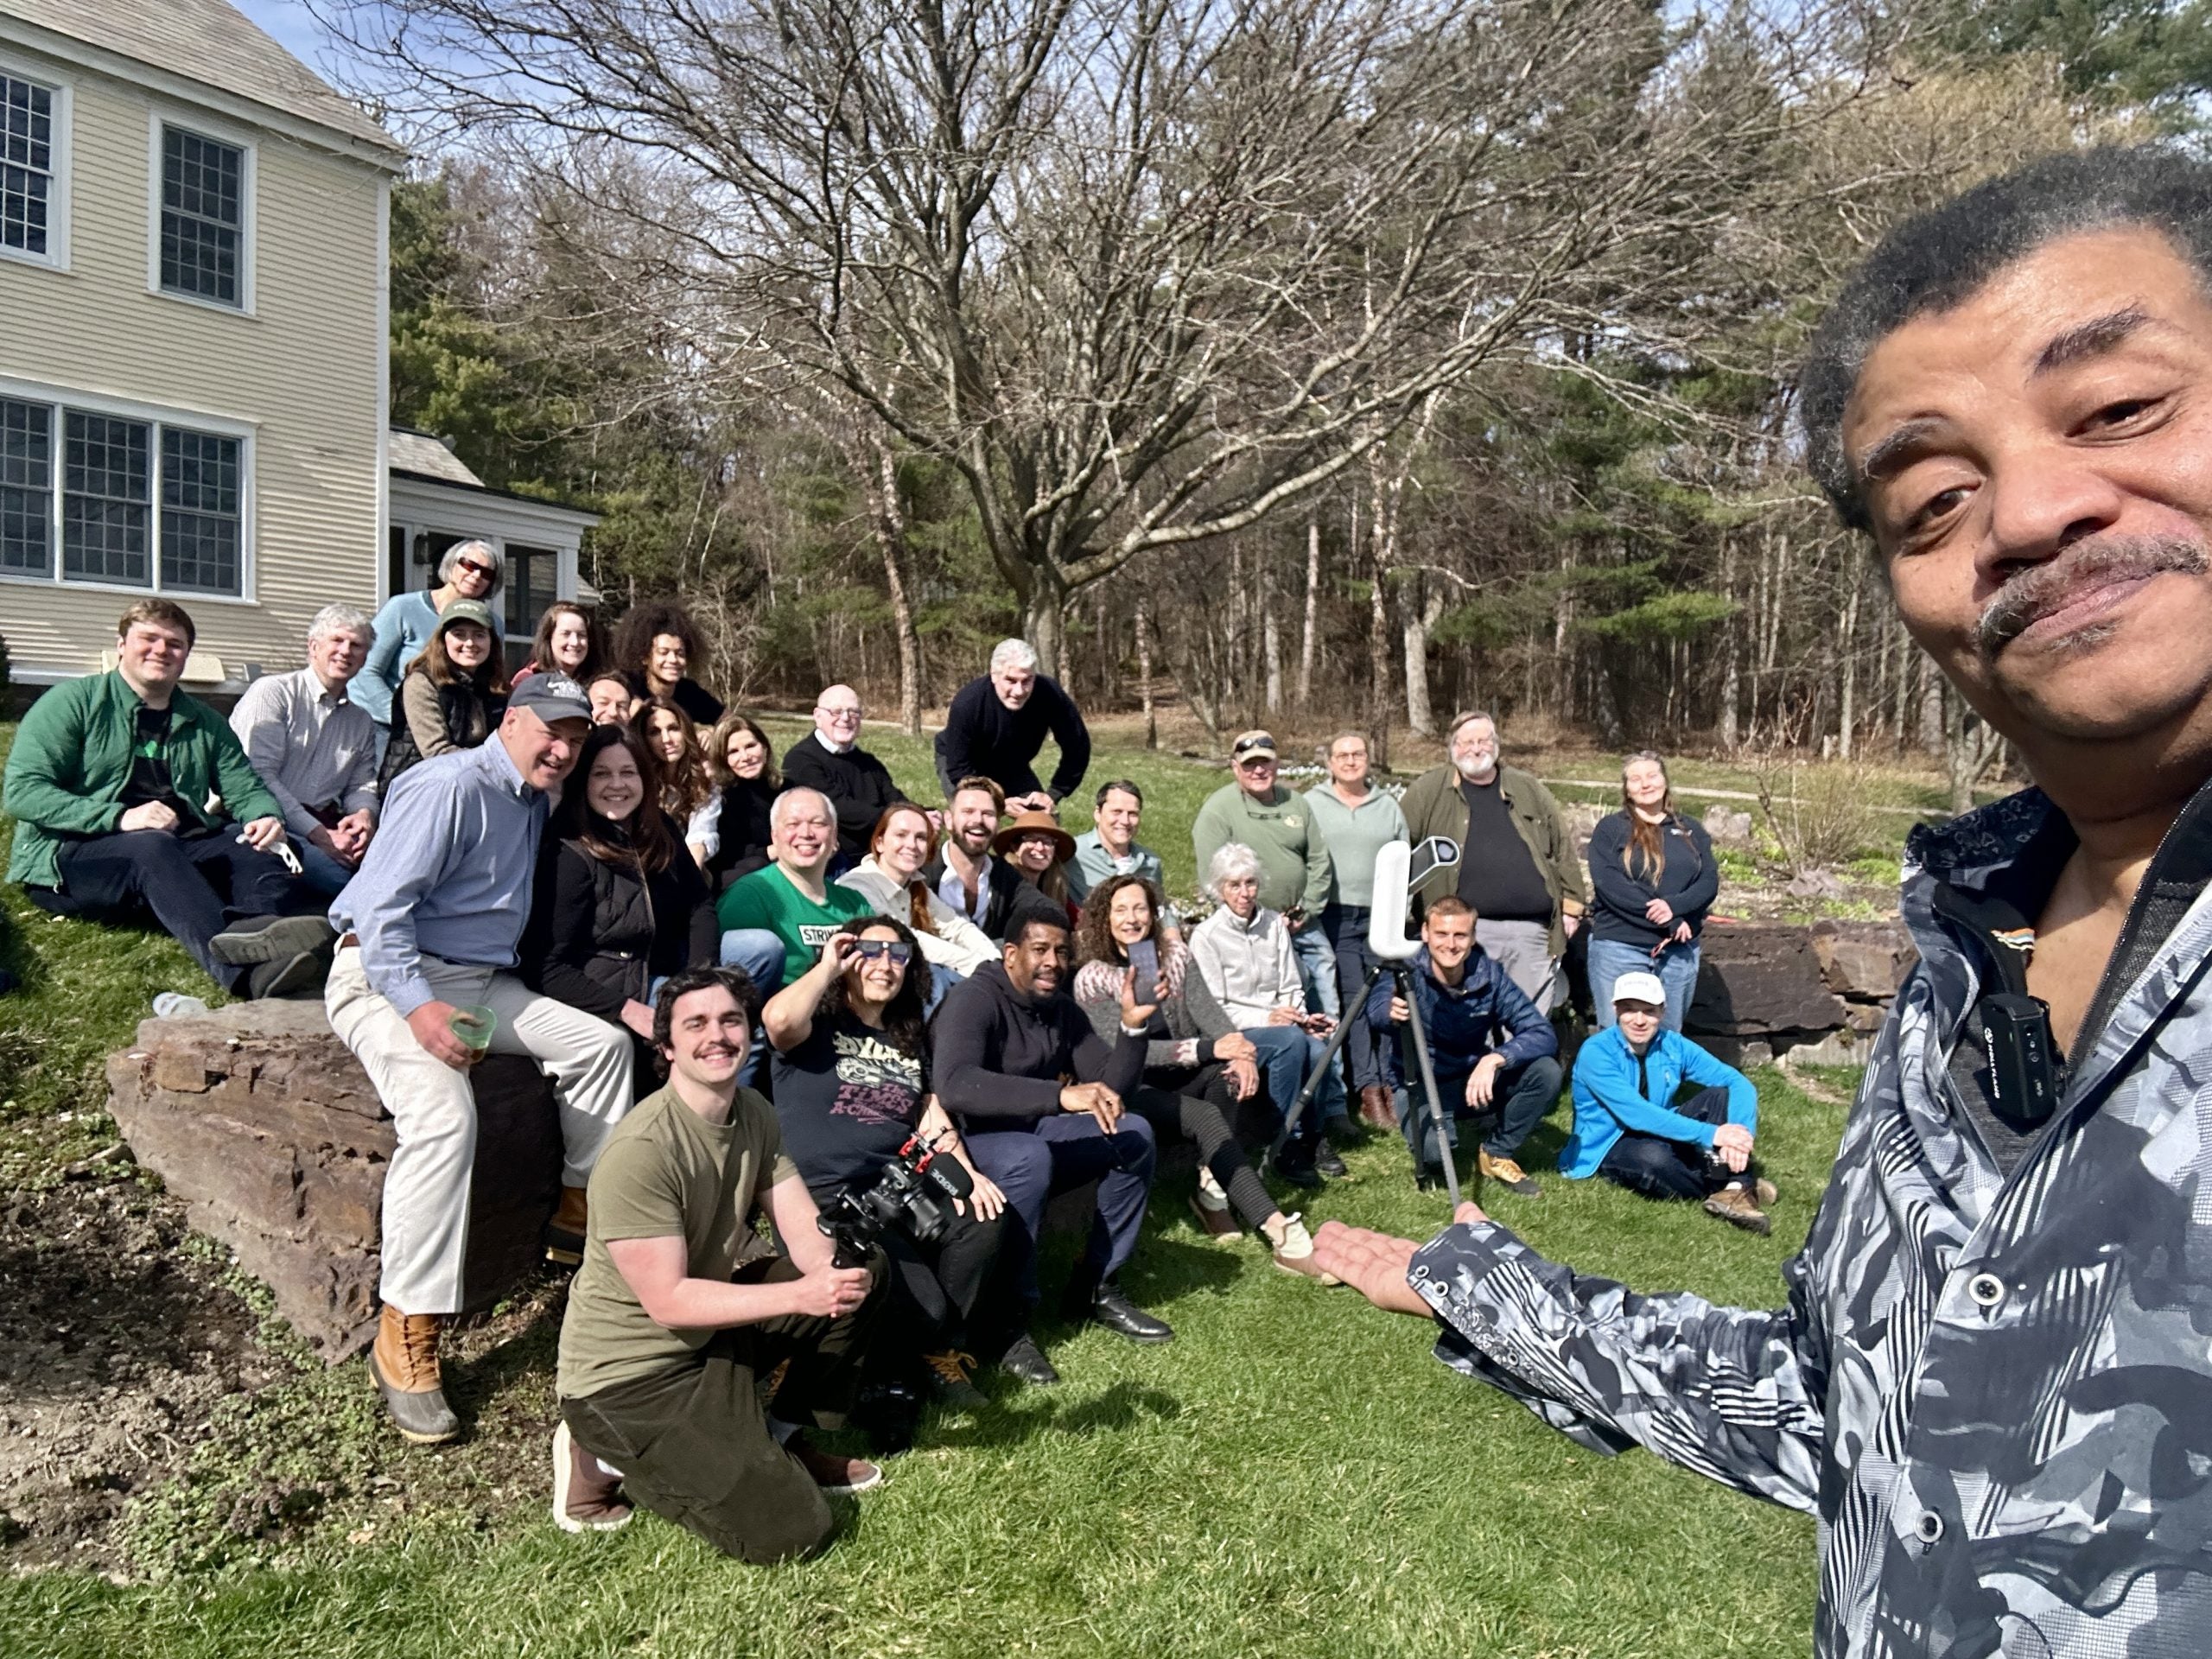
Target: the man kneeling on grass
(680, 1307)
(1630, 1128)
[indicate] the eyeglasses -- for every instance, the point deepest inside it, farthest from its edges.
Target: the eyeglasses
(872, 949)
(475, 569)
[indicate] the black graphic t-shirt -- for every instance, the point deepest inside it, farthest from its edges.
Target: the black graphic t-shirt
(847, 1100)
(149, 780)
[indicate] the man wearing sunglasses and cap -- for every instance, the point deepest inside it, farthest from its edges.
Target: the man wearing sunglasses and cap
(428, 930)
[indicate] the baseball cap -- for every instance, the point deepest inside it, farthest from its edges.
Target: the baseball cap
(465, 610)
(1639, 987)
(1250, 744)
(551, 696)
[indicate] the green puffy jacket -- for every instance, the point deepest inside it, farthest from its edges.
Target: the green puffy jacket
(71, 763)
(1434, 806)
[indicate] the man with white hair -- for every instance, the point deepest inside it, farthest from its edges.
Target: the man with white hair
(997, 724)
(316, 748)
(776, 920)
(856, 784)
(1518, 870)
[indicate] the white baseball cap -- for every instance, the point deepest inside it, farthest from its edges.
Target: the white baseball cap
(1639, 987)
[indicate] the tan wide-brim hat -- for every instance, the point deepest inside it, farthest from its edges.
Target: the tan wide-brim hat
(1030, 824)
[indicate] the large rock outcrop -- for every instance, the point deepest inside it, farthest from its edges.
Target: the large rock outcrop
(259, 1118)
(1776, 990)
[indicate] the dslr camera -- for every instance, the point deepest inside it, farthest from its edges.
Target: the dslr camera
(913, 1194)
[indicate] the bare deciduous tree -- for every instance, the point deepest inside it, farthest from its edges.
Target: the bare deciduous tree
(1141, 271)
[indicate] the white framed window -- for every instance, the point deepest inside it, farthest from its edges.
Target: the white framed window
(33, 168)
(101, 495)
(202, 216)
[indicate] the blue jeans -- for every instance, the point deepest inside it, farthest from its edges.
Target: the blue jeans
(1285, 1055)
(1521, 1097)
(319, 870)
(1316, 971)
(1676, 966)
(1033, 1161)
(760, 953)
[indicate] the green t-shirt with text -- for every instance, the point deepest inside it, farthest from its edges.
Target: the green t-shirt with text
(665, 1173)
(767, 899)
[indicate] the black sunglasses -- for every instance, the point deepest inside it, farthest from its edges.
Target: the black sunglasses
(897, 950)
(475, 569)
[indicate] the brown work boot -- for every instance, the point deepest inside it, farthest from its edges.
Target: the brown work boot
(1374, 1108)
(1765, 1191)
(404, 1362)
(1508, 1174)
(586, 1498)
(564, 1234)
(1734, 1205)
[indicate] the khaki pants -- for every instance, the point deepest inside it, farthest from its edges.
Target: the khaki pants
(434, 1111)
(1523, 949)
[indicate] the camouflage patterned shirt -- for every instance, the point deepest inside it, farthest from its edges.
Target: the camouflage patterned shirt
(1993, 1390)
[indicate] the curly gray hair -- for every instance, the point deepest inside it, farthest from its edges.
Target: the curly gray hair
(1231, 862)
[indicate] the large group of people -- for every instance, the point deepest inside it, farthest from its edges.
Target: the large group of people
(563, 863)
(1987, 1381)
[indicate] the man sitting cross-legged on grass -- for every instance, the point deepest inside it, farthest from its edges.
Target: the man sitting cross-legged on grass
(114, 781)
(1039, 1096)
(1466, 1000)
(431, 926)
(1628, 1129)
(680, 1309)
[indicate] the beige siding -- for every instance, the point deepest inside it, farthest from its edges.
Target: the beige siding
(304, 369)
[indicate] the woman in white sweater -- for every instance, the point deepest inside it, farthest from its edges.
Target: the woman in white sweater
(890, 877)
(1243, 953)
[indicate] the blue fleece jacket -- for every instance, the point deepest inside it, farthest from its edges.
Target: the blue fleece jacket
(1608, 1103)
(1464, 1020)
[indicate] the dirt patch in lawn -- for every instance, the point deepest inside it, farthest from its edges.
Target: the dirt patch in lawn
(117, 1340)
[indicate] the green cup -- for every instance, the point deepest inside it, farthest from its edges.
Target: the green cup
(475, 1026)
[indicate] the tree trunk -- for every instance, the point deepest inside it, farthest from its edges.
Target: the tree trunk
(1931, 707)
(1731, 652)
(1144, 674)
(1848, 697)
(1041, 610)
(1421, 610)
(1312, 608)
(1967, 751)
(888, 515)
(1271, 641)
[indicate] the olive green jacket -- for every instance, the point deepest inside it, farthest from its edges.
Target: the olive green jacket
(1434, 806)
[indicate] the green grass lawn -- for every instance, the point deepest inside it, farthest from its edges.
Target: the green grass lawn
(1294, 1475)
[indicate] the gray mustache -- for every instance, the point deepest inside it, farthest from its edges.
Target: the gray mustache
(2050, 587)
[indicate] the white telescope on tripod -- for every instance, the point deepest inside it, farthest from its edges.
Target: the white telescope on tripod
(1399, 869)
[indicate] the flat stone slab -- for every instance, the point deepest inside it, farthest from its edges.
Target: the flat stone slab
(263, 1123)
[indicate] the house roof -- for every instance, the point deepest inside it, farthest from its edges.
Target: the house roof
(210, 41)
(428, 457)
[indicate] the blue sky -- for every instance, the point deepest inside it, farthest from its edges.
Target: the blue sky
(293, 24)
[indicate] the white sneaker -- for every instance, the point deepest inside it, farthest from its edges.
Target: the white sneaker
(1295, 1253)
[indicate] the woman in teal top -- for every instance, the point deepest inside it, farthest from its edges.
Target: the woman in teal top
(469, 570)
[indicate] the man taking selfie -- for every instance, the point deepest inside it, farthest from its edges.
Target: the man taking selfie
(1990, 1379)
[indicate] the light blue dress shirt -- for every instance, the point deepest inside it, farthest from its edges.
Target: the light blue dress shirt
(449, 874)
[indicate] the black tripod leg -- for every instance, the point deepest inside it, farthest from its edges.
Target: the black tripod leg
(1416, 1036)
(1306, 1101)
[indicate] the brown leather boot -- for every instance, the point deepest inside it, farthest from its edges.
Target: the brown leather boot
(564, 1234)
(1374, 1107)
(404, 1362)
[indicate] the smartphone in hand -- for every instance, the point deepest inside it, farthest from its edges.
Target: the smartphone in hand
(1144, 961)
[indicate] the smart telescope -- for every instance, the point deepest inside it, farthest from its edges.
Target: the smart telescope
(1400, 869)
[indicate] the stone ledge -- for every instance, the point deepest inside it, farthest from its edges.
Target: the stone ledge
(264, 1124)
